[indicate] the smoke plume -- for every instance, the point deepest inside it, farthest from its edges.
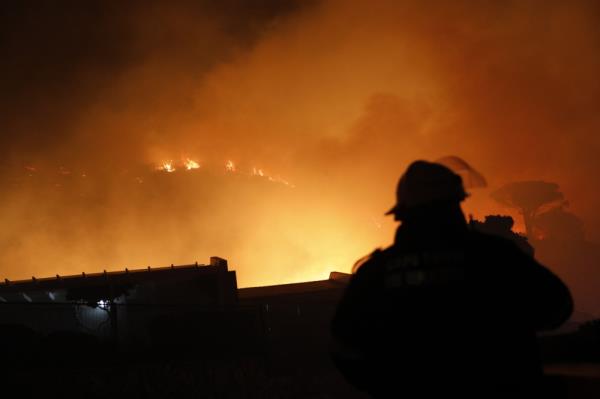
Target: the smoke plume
(334, 97)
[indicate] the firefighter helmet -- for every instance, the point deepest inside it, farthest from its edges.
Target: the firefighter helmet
(426, 183)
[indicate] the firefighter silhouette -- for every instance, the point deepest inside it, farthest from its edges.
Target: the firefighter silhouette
(445, 309)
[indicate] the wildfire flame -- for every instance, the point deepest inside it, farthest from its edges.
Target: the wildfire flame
(278, 179)
(167, 166)
(275, 179)
(258, 172)
(191, 164)
(230, 166)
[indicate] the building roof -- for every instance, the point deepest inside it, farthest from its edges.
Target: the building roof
(121, 277)
(336, 281)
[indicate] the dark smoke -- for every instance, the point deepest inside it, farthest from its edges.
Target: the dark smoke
(335, 96)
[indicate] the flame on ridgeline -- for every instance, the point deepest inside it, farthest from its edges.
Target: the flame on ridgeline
(275, 179)
(191, 164)
(258, 172)
(186, 165)
(230, 167)
(167, 166)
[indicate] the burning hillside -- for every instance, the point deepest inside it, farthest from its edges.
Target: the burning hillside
(76, 220)
(274, 132)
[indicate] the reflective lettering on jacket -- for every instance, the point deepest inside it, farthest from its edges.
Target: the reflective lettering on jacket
(424, 268)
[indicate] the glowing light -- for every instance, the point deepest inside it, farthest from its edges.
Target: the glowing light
(191, 164)
(258, 172)
(274, 179)
(279, 180)
(167, 166)
(103, 304)
(230, 166)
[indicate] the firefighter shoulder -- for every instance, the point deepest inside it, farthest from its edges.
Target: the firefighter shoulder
(352, 323)
(545, 300)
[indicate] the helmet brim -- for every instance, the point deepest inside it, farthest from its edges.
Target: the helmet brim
(392, 211)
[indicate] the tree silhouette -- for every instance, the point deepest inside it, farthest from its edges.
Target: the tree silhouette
(559, 224)
(529, 198)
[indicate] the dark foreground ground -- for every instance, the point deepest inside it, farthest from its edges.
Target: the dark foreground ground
(224, 378)
(287, 358)
(239, 379)
(106, 375)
